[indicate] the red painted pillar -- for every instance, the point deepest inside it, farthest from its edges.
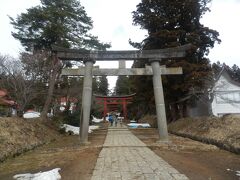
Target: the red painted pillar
(124, 108)
(104, 108)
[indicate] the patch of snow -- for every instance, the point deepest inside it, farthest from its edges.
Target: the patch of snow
(120, 118)
(75, 129)
(107, 118)
(96, 120)
(137, 125)
(31, 114)
(49, 115)
(238, 173)
(91, 128)
(68, 128)
(47, 175)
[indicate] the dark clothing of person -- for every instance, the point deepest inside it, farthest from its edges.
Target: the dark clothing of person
(110, 119)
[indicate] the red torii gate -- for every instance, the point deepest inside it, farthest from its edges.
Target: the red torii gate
(111, 103)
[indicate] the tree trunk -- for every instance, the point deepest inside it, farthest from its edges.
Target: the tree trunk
(180, 110)
(184, 109)
(173, 112)
(55, 70)
(209, 103)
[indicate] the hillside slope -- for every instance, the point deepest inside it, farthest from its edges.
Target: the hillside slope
(223, 132)
(18, 135)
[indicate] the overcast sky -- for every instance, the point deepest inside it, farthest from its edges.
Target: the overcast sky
(113, 23)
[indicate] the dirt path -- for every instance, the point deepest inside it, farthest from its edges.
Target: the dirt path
(203, 165)
(194, 159)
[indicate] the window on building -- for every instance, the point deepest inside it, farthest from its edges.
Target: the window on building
(228, 97)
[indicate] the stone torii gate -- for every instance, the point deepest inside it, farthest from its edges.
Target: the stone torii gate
(89, 58)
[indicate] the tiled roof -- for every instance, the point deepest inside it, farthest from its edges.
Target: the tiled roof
(4, 100)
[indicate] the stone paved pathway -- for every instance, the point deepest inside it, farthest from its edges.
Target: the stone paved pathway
(125, 157)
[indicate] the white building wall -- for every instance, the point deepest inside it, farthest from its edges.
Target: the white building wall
(226, 98)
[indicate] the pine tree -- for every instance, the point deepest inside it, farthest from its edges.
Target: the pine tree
(102, 85)
(173, 23)
(55, 22)
(123, 86)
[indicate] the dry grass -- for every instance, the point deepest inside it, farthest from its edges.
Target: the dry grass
(223, 132)
(19, 135)
(151, 119)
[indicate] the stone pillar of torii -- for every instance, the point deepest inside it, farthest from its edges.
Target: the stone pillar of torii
(154, 57)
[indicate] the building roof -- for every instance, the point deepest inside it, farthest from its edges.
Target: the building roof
(115, 96)
(71, 99)
(4, 99)
(225, 74)
(3, 92)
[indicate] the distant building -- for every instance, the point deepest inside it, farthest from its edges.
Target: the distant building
(63, 101)
(223, 98)
(226, 94)
(7, 105)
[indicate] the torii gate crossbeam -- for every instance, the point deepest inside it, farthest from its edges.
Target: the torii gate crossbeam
(154, 56)
(107, 101)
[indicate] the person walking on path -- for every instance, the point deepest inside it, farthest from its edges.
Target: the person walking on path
(115, 118)
(110, 119)
(120, 119)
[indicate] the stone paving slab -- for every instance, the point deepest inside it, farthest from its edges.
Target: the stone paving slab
(122, 138)
(125, 157)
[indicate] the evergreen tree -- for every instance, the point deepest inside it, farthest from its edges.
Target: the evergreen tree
(236, 73)
(55, 22)
(95, 84)
(169, 24)
(123, 86)
(103, 85)
(100, 87)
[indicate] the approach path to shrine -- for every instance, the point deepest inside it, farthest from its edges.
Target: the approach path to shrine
(124, 157)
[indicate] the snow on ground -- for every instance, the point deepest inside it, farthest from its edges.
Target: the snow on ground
(75, 129)
(68, 128)
(137, 125)
(92, 128)
(237, 172)
(47, 175)
(96, 120)
(31, 114)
